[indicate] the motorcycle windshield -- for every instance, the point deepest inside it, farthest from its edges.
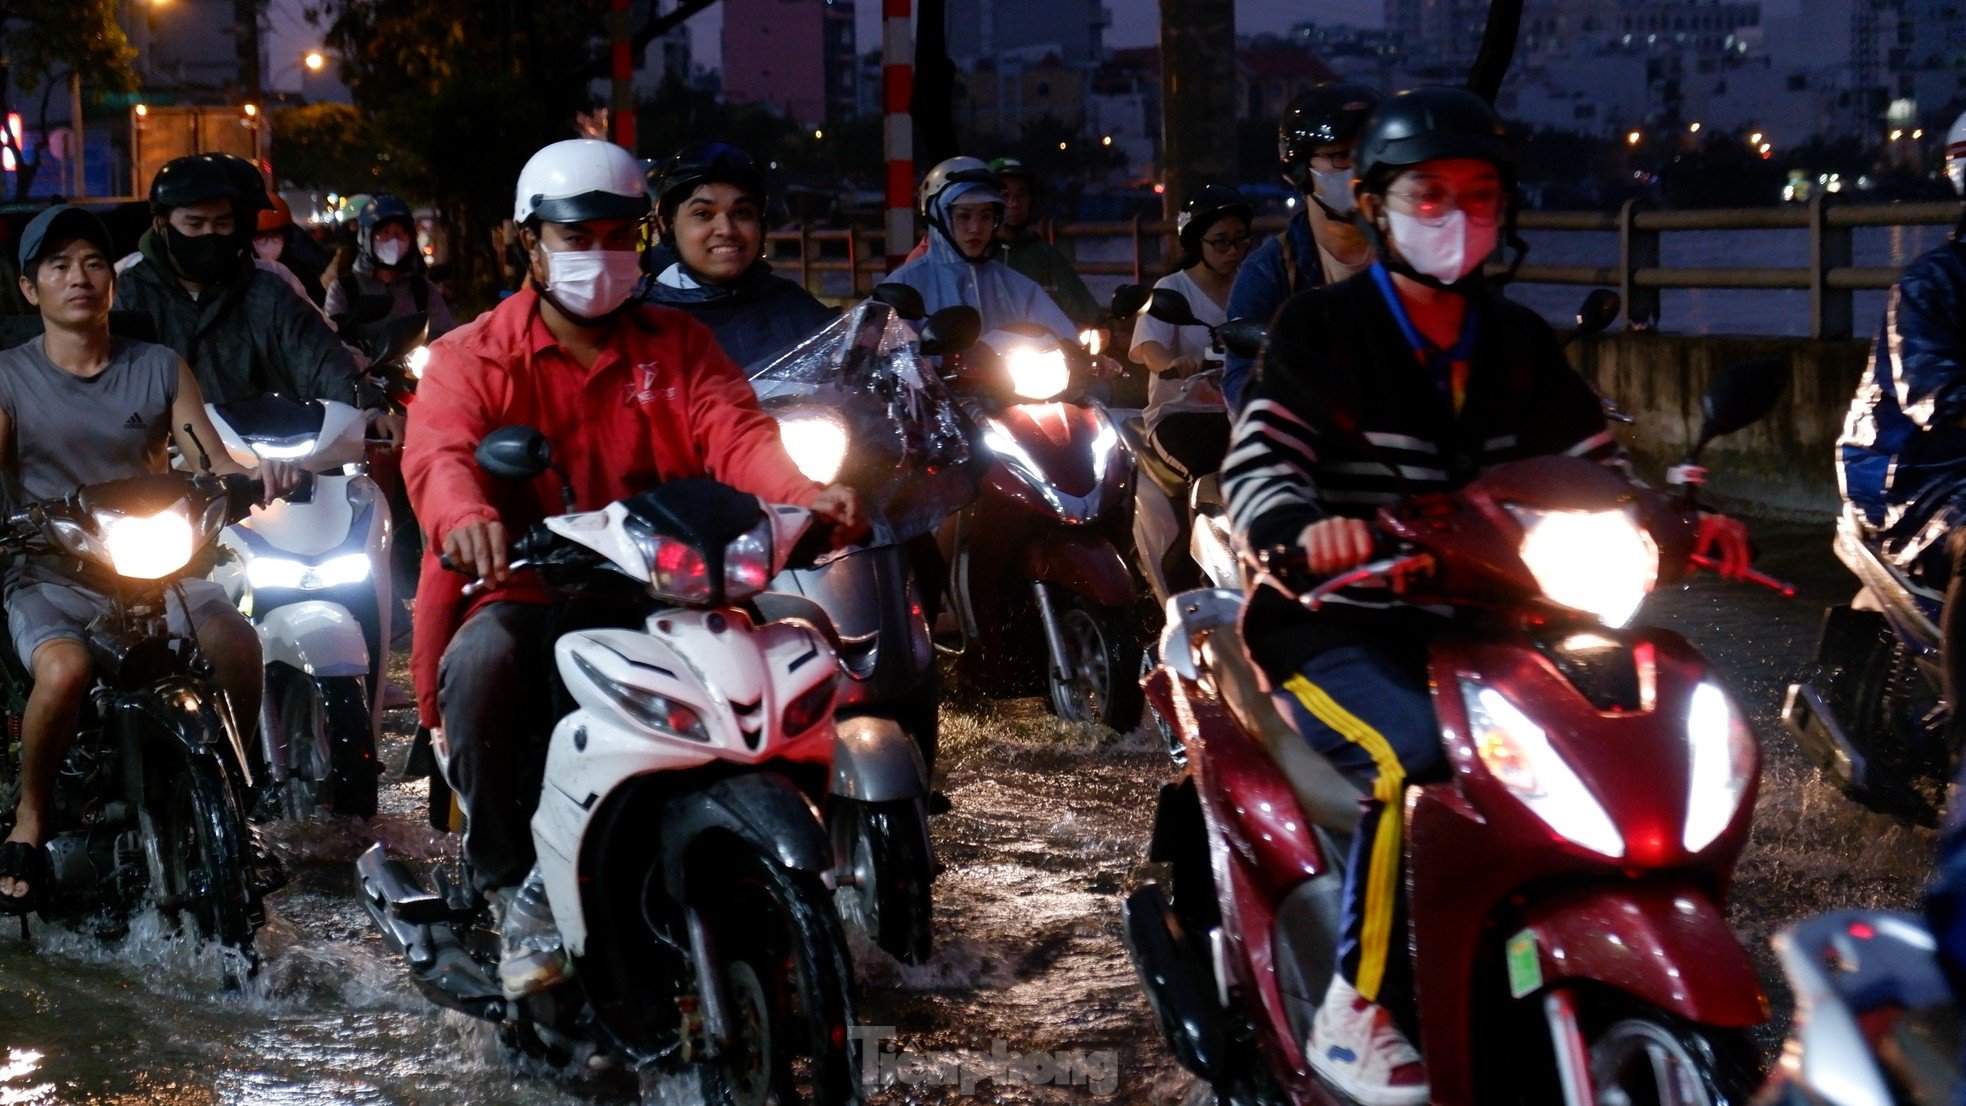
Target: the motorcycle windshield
(907, 447)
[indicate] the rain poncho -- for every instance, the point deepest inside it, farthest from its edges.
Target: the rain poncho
(755, 318)
(907, 447)
(999, 293)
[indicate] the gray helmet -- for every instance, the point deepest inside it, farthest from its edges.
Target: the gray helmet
(956, 170)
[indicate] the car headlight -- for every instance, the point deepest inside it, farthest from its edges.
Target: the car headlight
(1599, 562)
(817, 440)
(747, 564)
(1723, 755)
(1037, 374)
(146, 547)
(285, 572)
(282, 451)
(1519, 755)
(418, 358)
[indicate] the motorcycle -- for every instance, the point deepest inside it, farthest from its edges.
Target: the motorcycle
(306, 574)
(857, 404)
(1568, 935)
(678, 843)
(1876, 1023)
(148, 803)
(1040, 548)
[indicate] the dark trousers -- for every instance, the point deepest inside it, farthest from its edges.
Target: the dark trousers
(1195, 440)
(1367, 709)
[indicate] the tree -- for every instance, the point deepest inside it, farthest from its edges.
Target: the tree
(46, 42)
(325, 148)
(459, 93)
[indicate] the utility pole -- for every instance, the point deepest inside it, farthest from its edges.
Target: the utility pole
(622, 72)
(1198, 96)
(245, 14)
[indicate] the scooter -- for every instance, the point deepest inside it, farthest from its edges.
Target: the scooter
(1876, 1023)
(307, 574)
(858, 404)
(679, 848)
(1568, 929)
(1035, 567)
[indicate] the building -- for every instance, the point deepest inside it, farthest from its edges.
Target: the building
(1001, 96)
(189, 44)
(799, 56)
(992, 29)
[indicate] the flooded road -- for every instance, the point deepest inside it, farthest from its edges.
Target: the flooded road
(1047, 826)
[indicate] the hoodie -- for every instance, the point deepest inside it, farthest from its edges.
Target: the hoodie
(755, 318)
(999, 293)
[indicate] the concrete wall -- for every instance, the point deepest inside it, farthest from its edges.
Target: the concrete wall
(1784, 465)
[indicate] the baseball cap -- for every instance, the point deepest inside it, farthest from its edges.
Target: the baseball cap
(61, 224)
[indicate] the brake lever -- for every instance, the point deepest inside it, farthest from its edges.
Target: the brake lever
(480, 584)
(1391, 568)
(1751, 576)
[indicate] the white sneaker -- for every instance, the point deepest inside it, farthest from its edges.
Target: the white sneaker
(531, 956)
(1358, 1047)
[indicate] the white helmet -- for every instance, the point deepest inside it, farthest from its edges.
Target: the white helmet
(1956, 154)
(580, 179)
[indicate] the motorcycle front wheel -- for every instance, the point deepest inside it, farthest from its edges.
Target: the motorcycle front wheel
(1659, 1061)
(336, 709)
(885, 845)
(1101, 666)
(196, 844)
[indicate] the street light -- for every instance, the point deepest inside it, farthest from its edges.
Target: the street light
(1754, 139)
(1632, 138)
(314, 60)
(1694, 129)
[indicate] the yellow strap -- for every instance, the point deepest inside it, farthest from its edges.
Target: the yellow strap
(1389, 784)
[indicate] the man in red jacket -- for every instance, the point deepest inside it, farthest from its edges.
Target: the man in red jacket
(629, 395)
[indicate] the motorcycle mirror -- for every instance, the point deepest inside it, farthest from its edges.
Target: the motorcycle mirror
(950, 330)
(1172, 307)
(906, 302)
(1741, 394)
(515, 453)
(1598, 311)
(1129, 299)
(1243, 337)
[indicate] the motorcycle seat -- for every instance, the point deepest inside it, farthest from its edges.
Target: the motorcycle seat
(1330, 800)
(1170, 478)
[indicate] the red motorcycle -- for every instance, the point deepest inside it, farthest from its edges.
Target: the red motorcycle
(1567, 885)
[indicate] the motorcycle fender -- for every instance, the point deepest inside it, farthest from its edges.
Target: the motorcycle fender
(875, 761)
(315, 637)
(184, 713)
(1083, 563)
(1665, 944)
(763, 809)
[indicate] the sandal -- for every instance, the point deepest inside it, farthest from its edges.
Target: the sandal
(22, 861)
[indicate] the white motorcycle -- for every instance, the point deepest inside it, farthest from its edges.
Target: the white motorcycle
(677, 833)
(306, 574)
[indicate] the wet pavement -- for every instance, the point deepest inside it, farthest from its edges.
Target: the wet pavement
(1029, 980)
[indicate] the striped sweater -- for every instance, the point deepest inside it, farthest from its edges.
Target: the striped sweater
(1343, 418)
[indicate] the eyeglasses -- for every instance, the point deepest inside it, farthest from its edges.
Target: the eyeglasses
(1225, 244)
(1432, 204)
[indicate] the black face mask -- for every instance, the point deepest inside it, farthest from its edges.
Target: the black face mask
(206, 258)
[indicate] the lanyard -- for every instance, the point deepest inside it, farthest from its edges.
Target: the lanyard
(1439, 361)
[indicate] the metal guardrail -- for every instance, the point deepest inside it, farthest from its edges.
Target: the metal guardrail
(1829, 278)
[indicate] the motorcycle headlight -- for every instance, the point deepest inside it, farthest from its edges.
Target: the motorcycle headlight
(817, 440)
(1094, 340)
(1599, 562)
(747, 564)
(657, 712)
(418, 358)
(1037, 374)
(1000, 442)
(283, 451)
(146, 547)
(1723, 756)
(677, 570)
(284, 572)
(1519, 755)
(1105, 446)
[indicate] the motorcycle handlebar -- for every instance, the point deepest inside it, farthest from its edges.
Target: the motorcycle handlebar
(1712, 564)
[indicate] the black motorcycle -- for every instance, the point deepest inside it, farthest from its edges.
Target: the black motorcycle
(149, 804)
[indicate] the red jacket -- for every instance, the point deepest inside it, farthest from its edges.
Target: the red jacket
(661, 403)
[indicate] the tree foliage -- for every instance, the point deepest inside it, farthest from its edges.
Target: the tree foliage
(325, 148)
(45, 42)
(459, 93)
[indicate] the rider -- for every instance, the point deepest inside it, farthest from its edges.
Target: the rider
(1321, 244)
(387, 263)
(78, 406)
(630, 395)
(243, 330)
(1185, 415)
(276, 238)
(709, 209)
(1901, 461)
(1416, 363)
(1023, 248)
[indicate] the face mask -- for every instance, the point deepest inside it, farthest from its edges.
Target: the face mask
(390, 252)
(1333, 187)
(205, 258)
(1447, 252)
(592, 283)
(270, 247)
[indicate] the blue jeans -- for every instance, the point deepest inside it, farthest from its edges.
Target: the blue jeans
(1368, 711)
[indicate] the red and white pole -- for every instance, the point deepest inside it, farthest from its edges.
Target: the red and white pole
(897, 90)
(621, 70)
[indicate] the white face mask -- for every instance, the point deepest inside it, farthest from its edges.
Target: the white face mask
(1334, 188)
(391, 251)
(592, 283)
(1447, 252)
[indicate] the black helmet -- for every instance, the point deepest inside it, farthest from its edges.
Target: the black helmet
(1210, 203)
(199, 177)
(1007, 168)
(1328, 114)
(1429, 124)
(704, 163)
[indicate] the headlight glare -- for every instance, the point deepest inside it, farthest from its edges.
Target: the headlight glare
(1722, 754)
(1037, 374)
(146, 547)
(1519, 755)
(1598, 562)
(817, 441)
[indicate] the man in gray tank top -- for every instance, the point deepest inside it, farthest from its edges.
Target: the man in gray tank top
(77, 407)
